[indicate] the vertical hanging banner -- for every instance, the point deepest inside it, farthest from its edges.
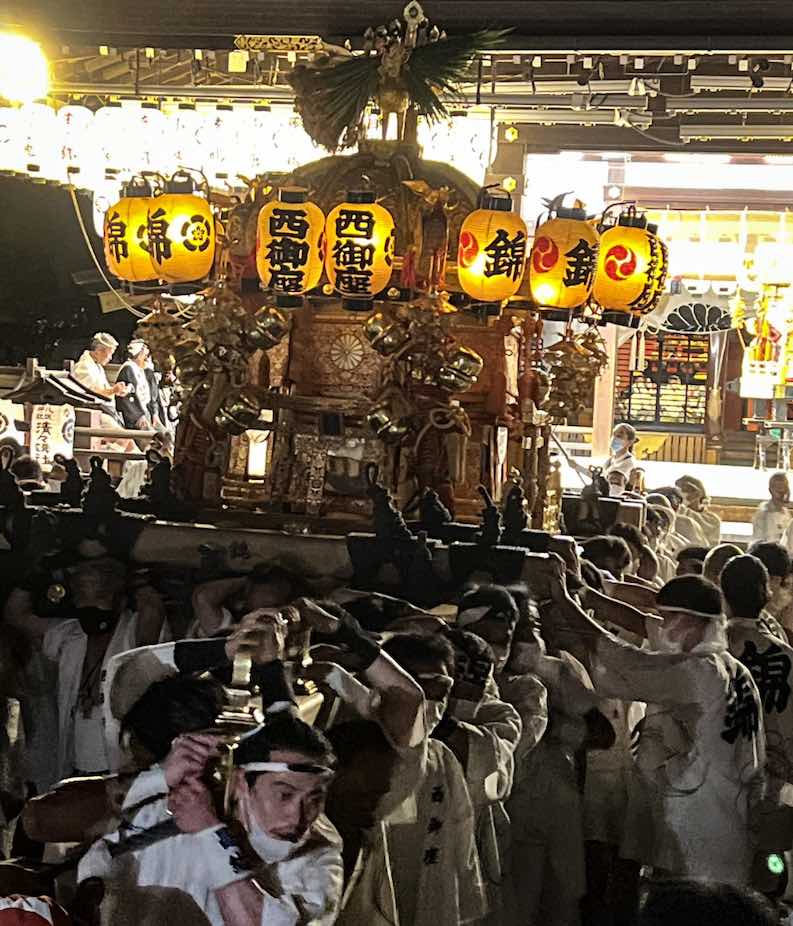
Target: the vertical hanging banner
(51, 432)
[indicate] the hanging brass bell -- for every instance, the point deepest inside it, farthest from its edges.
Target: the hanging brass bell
(461, 370)
(385, 336)
(266, 328)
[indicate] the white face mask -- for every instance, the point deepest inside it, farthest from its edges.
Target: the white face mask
(433, 713)
(663, 644)
(617, 444)
(615, 491)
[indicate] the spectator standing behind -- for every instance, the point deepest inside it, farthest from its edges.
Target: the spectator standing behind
(773, 517)
(137, 406)
(695, 507)
(89, 371)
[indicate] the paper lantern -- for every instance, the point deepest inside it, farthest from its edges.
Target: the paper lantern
(563, 261)
(359, 255)
(40, 127)
(125, 236)
(181, 233)
(630, 262)
(149, 138)
(111, 138)
(75, 124)
(12, 142)
(491, 258)
(289, 247)
(188, 131)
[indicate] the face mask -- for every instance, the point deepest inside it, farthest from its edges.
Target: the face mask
(663, 644)
(433, 714)
(615, 491)
(96, 620)
(617, 444)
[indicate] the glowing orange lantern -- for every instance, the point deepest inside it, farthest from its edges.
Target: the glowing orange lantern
(359, 255)
(630, 272)
(126, 235)
(491, 258)
(181, 233)
(563, 260)
(290, 245)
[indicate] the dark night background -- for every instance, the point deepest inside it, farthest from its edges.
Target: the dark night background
(43, 312)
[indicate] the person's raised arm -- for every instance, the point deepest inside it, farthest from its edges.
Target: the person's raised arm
(18, 613)
(616, 612)
(400, 697)
(208, 601)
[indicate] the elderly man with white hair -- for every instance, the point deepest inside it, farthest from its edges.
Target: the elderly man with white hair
(89, 371)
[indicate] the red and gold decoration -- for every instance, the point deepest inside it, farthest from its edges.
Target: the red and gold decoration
(563, 260)
(631, 269)
(290, 246)
(181, 233)
(491, 257)
(126, 234)
(359, 257)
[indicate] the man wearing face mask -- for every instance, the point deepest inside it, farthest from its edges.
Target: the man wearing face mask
(622, 460)
(745, 586)
(277, 861)
(437, 878)
(483, 732)
(100, 625)
(702, 751)
(777, 616)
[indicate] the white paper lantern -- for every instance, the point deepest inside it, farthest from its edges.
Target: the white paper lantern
(221, 132)
(106, 192)
(187, 129)
(113, 139)
(40, 131)
(75, 124)
(150, 154)
(12, 141)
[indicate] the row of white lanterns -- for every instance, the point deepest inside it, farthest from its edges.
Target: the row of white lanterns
(99, 150)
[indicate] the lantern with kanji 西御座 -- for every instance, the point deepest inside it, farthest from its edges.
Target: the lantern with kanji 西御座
(359, 249)
(126, 234)
(631, 270)
(562, 261)
(289, 246)
(181, 233)
(491, 257)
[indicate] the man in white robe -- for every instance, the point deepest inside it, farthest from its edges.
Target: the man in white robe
(702, 750)
(277, 862)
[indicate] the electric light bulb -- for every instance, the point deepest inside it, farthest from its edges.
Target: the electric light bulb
(24, 71)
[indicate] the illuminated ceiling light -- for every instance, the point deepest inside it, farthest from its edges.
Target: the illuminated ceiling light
(587, 63)
(510, 184)
(614, 192)
(511, 133)
(238, 61)
(24, 71)
(736, 132)
(743, 65)
(149, 51)
(677, 60)
(198, 54)
(692, 64)
(536, 61)
(638, 63)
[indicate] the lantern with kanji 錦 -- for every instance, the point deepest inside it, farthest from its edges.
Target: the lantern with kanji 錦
(491, 257)
(181, 233)
(359, 256)
(630, 272)
(562, 261)
(289, 246)
(126, 234)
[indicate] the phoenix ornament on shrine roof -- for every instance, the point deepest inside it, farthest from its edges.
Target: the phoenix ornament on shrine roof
(411, 66)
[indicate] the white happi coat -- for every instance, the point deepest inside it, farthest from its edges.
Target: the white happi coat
(174, 880)
(421, 866)
(700, 760)
(493, 729)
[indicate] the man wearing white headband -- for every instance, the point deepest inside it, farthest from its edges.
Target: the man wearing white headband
(278, 860)
(702, 750)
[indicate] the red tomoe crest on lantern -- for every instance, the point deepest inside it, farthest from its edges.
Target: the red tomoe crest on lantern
(619, 262)
(469, 249)
(545, 255)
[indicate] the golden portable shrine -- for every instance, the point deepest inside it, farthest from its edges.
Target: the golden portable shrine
(362, 340)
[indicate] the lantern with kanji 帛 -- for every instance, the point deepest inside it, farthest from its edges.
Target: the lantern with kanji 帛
(563, 260)
(289, 246)
(126, 234)
(491, 257)
(181, 233)
(630, 270)
(359, 236)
